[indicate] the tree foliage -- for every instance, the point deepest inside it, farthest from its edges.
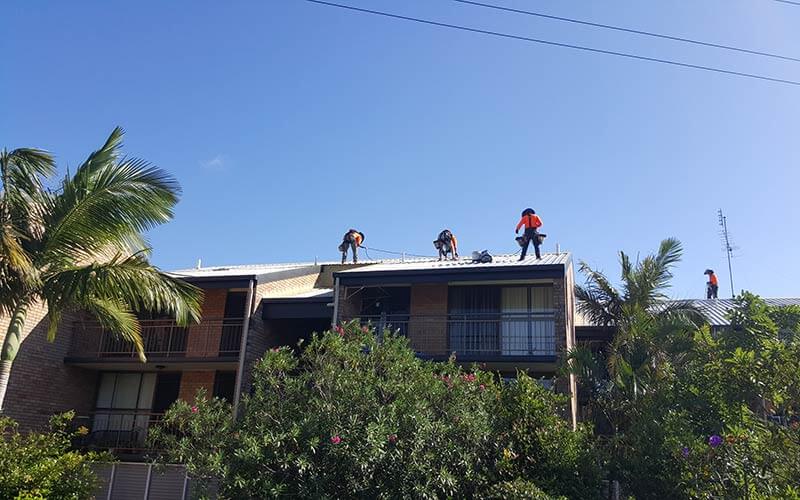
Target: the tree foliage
(40, 465)
(354, 418)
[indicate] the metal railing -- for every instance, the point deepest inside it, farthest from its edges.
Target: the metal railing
(474, 335)
(118, 431)
(161, 339)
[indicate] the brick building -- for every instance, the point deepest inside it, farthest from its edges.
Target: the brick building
(507, 314)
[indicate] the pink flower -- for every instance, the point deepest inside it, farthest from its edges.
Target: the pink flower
(339, 330)
(365, 329)
(469, 377)
(195, 409)
(336, 439)
(482, 387)
(275, 349)
(392, 438)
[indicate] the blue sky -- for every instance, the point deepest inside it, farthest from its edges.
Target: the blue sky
(288, 122)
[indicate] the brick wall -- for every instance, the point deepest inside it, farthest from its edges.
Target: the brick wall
(349, 304)
(428, 335)
(202, 340)
(193, 380)
(560, 314)
(259, 338)
(564, 305)
(569, 280)
(258, 341)
(41, 384)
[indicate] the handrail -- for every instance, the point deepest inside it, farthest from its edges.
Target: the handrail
(213, 337)
(474, 335)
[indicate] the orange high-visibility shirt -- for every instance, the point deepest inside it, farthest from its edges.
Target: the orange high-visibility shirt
(357, 238)
(712, 278)
(530, 221)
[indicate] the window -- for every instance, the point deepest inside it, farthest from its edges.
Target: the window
(386, 307)
(123, 408)
(235, 309)
(224, 383)
(527, 326)
(508, 321)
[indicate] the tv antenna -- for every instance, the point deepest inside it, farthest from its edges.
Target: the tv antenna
(727, 244)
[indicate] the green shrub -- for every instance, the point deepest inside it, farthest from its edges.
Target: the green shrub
(40, 465)
(517, 489)
(354, 418)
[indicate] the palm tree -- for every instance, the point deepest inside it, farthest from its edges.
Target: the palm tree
(649, 329)
(81, 247)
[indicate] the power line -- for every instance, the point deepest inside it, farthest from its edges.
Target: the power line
(628, 30)
(787, 1)
(558, 44)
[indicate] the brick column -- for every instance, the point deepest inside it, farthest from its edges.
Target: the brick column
(349, 308)
(203, 338)
(427, 328)
(193, 380)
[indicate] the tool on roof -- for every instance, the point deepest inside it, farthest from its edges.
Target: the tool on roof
(532, 223)
(352, 239)
(484, 257)
(712, 285)
(446, 243)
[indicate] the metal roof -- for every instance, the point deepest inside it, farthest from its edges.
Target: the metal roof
(715, 311)
(236, 271)
(499, 261)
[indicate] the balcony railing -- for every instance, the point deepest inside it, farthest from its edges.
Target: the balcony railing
(475, 336)
(123, 432)
(161, 339)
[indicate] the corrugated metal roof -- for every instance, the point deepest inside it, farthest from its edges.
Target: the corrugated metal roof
(714, 310)
(499, 261)
(234, 271)
(261, 269)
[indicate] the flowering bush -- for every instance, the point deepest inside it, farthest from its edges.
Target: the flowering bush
(39, 464)
(355, 418)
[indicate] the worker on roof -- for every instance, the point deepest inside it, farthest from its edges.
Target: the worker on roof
(532, 223)
(351, 239)
(712, 286)
(446, 243)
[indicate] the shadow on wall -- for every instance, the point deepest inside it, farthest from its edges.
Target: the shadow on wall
(40, 383)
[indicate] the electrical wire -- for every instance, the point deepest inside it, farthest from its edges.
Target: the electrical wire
(559, 44)
(366, 249)
(627, 30)
(790, 2)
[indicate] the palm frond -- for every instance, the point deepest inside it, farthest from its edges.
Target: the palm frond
(131, 281)
(108, 203)
(598, 300)
(22, 169)
(116, 317)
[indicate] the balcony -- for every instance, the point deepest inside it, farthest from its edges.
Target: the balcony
(123, 432)
(162, 339)
(476, 337)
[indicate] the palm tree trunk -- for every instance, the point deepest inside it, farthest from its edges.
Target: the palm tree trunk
(11, 346)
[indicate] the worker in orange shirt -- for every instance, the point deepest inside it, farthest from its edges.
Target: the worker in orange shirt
(712, 286)
(446, 243)
(532, 223)
(351, 239)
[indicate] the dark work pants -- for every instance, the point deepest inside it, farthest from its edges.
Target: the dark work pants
(353, 246)
(531, 236)
(711, 291)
